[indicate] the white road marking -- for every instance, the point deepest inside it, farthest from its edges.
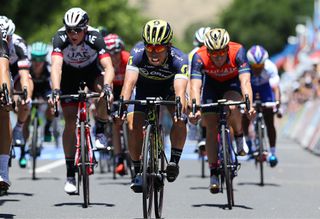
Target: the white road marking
(46, 168)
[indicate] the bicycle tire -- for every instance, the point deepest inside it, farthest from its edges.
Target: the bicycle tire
(147, 180)
(84, 161)
(159, 192)
(203, 158)
(226, 166)
(34, 142)
(261, 152)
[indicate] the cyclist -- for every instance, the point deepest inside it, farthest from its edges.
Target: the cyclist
(197, 132)
(77, 48)
(265, 85)
(155, 68)
(119, 57)
(221, 68)
(5, 128)
(19, 68)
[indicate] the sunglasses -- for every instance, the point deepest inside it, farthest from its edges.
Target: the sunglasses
(156, 48)
(75, 29)
(38, 59)
(257, 65)
(216, 53)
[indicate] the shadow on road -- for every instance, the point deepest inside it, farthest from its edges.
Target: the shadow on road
(258, 184)
(20, 193)
(81, 204)
(7, 216)
(40, 178)
(222, 206)
(199, 188)
(196, 176)
(2, 201)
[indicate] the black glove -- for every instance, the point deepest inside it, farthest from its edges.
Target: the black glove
(107, 90)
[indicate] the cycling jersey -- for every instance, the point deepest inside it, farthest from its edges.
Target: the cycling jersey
(4, 51)
(156, 81)
(218, 81)
(81, 55)
(18, 55)
(120, 70)
(262, 84)
(42, 85)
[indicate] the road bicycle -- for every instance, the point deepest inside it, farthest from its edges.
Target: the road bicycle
(84, 157)
(261, 152)
(229, 164)
(153, 158)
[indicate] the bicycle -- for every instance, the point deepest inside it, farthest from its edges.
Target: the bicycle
(229, 164)
(154, 160)
(259, 126)
(84, 156)
(35, 149)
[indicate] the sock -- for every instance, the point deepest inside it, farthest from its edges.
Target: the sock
(119, 159)
(175, 155)
(136, 166)
(23, 151)
(214, 168)
(100, 126)
(47, 126)
(19, 125)
(273, 150)
(70, 167)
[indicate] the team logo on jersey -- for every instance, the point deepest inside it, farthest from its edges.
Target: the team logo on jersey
(130, 60)
(92, 38)
(184, 69)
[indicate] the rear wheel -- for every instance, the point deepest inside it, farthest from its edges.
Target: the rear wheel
(226, 167)
(34, 146)
(84, 166)
(147, 179)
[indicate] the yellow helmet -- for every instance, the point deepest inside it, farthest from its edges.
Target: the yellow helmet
(157, 32)
(216, 38)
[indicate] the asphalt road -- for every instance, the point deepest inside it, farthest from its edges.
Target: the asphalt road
(292, 190)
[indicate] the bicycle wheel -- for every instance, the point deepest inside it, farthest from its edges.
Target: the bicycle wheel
(84, 161)
(261, 152)
(159, 170)
(147, 179)
(34, 146)
(203, 159)
(226, 166)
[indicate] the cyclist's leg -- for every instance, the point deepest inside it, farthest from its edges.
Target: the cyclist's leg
(235, 120)
(178, 135)
(69, 142)
(49, 118)
(271, 131)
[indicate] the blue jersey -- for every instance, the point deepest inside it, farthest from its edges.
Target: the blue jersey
(176, 66)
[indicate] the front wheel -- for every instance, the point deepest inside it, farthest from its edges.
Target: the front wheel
(147, 179)
(34, 146)
(84, 162)
(261, 152)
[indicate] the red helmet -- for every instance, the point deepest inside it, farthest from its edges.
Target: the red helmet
(114, 43)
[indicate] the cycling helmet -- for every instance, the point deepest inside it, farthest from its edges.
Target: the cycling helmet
(39, 49)
(76, 17)
(199, 36)
(157, 32)
(257, 55)
(7, 26)
(103, 30)
(216, 39)
(113, 43)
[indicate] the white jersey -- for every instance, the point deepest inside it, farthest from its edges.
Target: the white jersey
(268, 75)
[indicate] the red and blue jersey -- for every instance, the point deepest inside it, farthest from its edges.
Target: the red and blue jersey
(236, 64)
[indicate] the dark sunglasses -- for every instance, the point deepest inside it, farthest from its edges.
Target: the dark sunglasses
(38, 58)
(75, 29)
(216, 53)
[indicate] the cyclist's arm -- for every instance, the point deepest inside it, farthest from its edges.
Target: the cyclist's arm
(4, 62)
(108, 69)
(56, 71)
(274, 80)
(130, 80)
(180, 87)
(196, 78)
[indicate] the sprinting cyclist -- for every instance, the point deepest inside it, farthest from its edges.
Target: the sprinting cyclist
(220, 68)
(19, 68)
(5, 127)
(119, 57)
(265, 86)
(197, 132)
(77, 50)
(155, 69)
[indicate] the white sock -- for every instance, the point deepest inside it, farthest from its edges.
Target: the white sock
(273, 150)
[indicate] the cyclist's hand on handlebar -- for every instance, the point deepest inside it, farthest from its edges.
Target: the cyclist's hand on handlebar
(107, 93)
(54, 97)
(251, 113)
(194, 118)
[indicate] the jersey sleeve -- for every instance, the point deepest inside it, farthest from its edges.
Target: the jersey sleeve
(196, 67)
(242, 61)
(59, 42)
(273, 72)
(95, 40)
(22, 53)
(4, 50)
(135, 58)
(182, 71)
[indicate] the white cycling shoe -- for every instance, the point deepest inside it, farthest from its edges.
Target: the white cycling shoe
(101, 141)
(70, 185)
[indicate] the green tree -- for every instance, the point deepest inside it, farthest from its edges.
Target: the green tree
(39, 20)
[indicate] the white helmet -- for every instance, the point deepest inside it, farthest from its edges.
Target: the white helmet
(76, 17)
(199, 36)
(7, 26)
(216, 39)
